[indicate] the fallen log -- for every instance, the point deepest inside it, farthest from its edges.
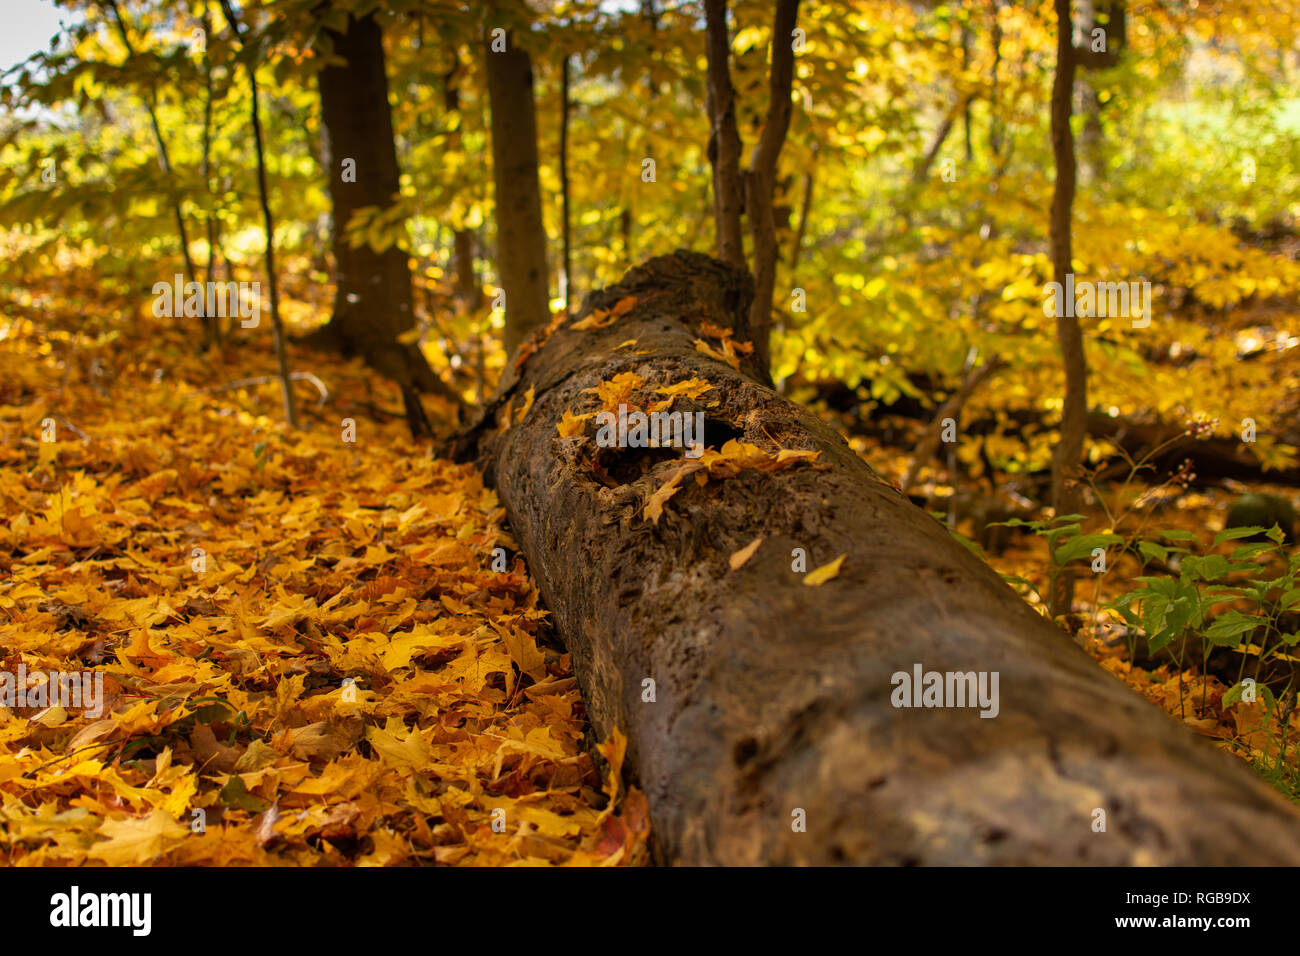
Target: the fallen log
(762, 714)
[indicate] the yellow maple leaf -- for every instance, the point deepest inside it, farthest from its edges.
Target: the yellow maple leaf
(571, 424)
(617, 390)
(411, 751)
(691, 388)
(136, 841)
(654, 506)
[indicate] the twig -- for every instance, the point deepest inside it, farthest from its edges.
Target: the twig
(270, 379)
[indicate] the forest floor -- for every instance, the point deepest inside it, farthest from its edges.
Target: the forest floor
(313, 652)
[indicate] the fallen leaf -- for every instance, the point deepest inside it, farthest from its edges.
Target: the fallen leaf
(571, 424)
(819, 576)
(137, 840)
(738, 558)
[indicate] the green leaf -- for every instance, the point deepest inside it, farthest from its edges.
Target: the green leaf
(1215, 566)
(1227, 626)
(1232, 534)
(1084, 545)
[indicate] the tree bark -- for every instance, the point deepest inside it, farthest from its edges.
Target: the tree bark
(521, 236)
(995, 99)
(1110, 15)
(468, 292)
(724, 138)
(760, 183)
(772, 697)
(565, 220)
(373, 303)
(1074, 412)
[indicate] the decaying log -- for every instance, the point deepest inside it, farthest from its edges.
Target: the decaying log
(772, 697)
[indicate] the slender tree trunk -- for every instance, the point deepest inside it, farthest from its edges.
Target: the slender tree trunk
(796, 245)
(925, 451)
(1111, 17)
(565, 234)
(214, 332)
(164, 161)
(268, 223)
(763, 716)
(468, 291)
(1094, 140)
(373, 300)
(922, 168)
(760, 183)
(1074, 414)
(995, 99)
(724, 138)
(966, 100)
(521, 235)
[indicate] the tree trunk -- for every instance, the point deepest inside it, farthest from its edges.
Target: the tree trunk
(565, 221)
(929, 444)
(724, 138)
(468, 292)
(760, 183)
(268, 225)
(771, 700)
(1074, 412)
(995, 100)
(521, 236)
(373, 302)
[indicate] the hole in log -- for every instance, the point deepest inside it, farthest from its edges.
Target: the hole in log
(622, 466)
(718, 433)
(626, 465)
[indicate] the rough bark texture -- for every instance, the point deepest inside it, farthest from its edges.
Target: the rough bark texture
(373, 301)
(724, 138)
(1074, 411)
(772, 696)
(468, 292)
(760, 183)
(521, 237)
